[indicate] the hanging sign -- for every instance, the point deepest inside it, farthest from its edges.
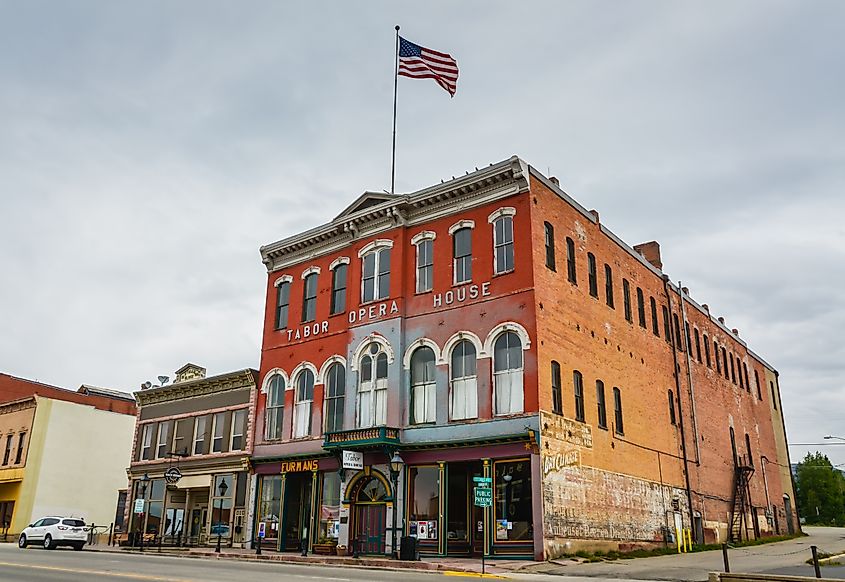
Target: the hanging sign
(139, 506)
(172, 475)
(353, 460)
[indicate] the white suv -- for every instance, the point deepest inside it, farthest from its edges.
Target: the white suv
(54, 531)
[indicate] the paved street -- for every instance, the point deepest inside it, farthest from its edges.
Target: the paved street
(37, 565)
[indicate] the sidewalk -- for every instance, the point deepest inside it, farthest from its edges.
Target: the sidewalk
(459, 565)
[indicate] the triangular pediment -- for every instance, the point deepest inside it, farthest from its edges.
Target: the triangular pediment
(366, 200)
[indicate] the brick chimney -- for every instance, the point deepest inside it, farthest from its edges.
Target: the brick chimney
(651, 253)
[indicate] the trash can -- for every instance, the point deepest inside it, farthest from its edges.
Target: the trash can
(409, 548)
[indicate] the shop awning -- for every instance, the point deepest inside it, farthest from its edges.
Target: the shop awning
(194, 482)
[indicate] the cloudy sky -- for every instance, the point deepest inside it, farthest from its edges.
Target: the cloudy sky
(148, 149)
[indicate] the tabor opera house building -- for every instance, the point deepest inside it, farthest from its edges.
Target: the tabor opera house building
(490, 330)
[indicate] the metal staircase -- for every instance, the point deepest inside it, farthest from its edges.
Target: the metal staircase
(740, 526)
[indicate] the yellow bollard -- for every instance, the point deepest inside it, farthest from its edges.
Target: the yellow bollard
(678, 539)
(689, 537)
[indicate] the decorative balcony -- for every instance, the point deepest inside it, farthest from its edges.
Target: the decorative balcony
(362, 438)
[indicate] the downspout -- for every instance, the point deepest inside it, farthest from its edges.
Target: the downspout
(689, 375)
(770, 516)
(680, 408)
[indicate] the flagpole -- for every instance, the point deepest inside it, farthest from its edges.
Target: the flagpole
(395, 88)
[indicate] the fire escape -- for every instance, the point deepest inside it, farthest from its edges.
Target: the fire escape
(742, 527)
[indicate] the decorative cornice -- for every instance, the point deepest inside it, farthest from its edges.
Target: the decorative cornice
(18, 405)
(200, 387)
(497, 181)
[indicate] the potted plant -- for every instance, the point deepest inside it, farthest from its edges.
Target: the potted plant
(325, 546)
(341, 550)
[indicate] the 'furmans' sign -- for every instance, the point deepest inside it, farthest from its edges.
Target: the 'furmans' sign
(297, 466)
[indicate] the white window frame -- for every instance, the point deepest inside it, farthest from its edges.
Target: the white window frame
(216, 418)
(237, 426)
(268, 380)
(146, 440)
(505, 211)
(424, 395)
(174, 438)
(418, 239)
(305, 404)
(376, 246)
(162, 426)
(468, 383)
(197, 421)
(375, 388)
(509, 374)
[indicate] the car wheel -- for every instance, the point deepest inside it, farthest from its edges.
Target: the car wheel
(48, 542)
(22, 541)
(78, 547)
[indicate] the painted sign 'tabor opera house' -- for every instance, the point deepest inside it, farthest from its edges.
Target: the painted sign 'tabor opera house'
(491, 330)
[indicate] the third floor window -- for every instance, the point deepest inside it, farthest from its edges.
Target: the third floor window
(503, 244)
(309, 298)
(339, 289)
(462, 255)
(375, 281)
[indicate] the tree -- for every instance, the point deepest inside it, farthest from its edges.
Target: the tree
(821, 491)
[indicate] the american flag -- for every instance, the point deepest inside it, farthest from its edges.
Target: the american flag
(419, 62)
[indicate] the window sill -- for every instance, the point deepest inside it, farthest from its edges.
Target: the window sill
(374, 300)
(424, 292)
(461, 283)
(604, 428)
(503, 273)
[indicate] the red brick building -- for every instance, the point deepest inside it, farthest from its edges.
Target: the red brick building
(490, 329)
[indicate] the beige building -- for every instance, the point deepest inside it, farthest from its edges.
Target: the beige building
(62, 452)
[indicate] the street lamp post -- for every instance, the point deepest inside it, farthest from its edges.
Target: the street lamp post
(144, 480)
(396, 463)
(222, 488)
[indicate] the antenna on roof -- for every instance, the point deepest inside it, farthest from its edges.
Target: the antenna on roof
(146, 385)
(163, 380)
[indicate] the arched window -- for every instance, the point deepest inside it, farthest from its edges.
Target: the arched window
(425, 265)
(375, 276)
(557, 394)
(282, 304)
(608, 285)
(309, 298)
(464, 398)
(600, 405)
(503, 244)
(507, 374)
(422, 386)
(672, 407)
(641, 308)
(338, 303)
(626, 298)
(274, 408)
(335, 396)
(655, 326)
(570, 261)
(462, 255)
(578, 389)
(302, 407)
(697, 344)
(617, 410)
(372, 387)
(706, 350)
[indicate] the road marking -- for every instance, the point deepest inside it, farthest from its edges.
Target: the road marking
(98, 573)
(472, 574)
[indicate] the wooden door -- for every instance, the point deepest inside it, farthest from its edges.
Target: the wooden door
(370, 527)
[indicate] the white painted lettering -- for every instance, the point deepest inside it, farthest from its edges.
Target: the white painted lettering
(307, 331)
(371, 312)
(362, 313)
(473, 291)
(394, 308)
(316, 329)
(290, 332)
(438, 300)
(297, 336)
(461, 293)
(485, 289)
(325, 327)
(382, 309)
(352, 315)
(450, 297)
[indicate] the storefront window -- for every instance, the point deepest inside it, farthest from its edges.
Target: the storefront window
(155, 503)
(221, 508)
(270, 507)
(459, 506)
(330, 507)
(514, 516)
(424, 500)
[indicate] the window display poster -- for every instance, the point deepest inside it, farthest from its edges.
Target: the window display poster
(501, 529)
(432, 530)
(413, 530)
(422, 530)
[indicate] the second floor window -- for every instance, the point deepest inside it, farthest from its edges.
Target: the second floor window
(274, 408)
(425, 266)
(570, 261)
(372, 388)
(549, 232)
(667, 326)
(199, 446)
(335, 397)
(557, 396)
(309, 298)
(626, 298)
(218, 432)
(503, 244)
(236, 442)
(462, 255)
(706, 350)
(655, 327)
(375, 281)
(593, 276)
(422, 386)
(339, 289)
(181, 430)
(282, 305)
(464, 398)
(617, 408)
(147, 442)
(302, 408)
(600, 404)
(672, 407)
(7, 455)
(507, 374)
(641, 307)
(19, 455)
(163, 440)
(578, 385)
(608, 285)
